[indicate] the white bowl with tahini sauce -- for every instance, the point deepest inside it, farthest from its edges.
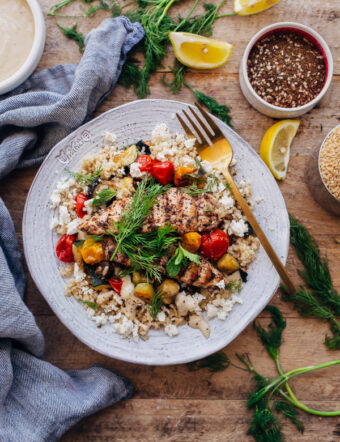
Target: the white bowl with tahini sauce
(22, 31)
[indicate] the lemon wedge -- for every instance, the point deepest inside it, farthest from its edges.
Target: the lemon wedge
(249, 7)
(275, 146)
(199, 52)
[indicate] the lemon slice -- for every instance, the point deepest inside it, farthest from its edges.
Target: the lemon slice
(249, 7)
(275, 146)
(199, 52)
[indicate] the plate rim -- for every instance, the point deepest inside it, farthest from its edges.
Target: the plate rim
(73, 329)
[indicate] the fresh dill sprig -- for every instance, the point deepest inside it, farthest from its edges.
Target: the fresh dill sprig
(265, 426)
(214, 107)
(103, 197)
(55, 8)
(322, 301)
(85, 179)
(156, 304)
(194, 190)
(135, 245)
(74, 35)
(214, 363)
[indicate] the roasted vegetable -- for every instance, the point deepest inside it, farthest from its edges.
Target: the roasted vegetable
(144, 291)
(64, 248)
(191, 241)
(127, 156)
(138, 277)
(180, 178)
(227, 263)
(116, 284)
(80, 204)
(214, 244)
(169, 289)
(92, 251)
(76, 250)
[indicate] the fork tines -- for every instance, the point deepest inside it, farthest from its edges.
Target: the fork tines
(211, 131)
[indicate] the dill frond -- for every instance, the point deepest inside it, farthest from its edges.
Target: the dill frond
(322, 301)
(85, 180)
(290, 412)
(72, 33)
(156, 304)
(214, 363)
(272, 339)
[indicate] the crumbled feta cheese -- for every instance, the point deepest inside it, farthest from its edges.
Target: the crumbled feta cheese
(135, 171)
(258, 199)
(124, 328)
(78, 273)
(88, 206)
(55, 199)
(211, 311)
(238, 228)
(226, 201)
(171, 330)
(161, 316)
(64, 216)
(109, 138)
(207, 166)
(72, 227)
(221, 284)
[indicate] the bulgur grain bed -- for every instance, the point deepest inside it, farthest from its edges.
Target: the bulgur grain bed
(330, 162)
(130, 314)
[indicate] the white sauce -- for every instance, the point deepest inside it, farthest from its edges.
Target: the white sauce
(16, 35)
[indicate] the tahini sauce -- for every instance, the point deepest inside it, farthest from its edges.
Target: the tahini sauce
(16, 35)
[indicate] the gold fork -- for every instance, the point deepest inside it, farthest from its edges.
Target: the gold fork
(215, 148)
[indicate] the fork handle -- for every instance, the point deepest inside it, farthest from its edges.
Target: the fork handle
(280, 268)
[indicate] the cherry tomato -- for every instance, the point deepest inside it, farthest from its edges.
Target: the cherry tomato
(214, 244)
(116, 284)
(145, 163)
(163, 172)
(80, 201)
(64, 248)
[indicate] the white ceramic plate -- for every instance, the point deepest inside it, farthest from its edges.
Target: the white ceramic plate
(132, 122)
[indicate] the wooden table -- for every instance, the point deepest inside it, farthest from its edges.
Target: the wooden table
(171, 403)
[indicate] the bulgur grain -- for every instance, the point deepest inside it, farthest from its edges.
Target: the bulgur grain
(330, 162)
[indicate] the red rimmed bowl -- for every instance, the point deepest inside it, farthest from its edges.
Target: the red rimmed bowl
(259, 103)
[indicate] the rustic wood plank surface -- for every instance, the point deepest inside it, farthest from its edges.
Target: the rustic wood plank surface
(172, 403)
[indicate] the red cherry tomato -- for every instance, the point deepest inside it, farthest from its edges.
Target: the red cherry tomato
(64, 248)
(163, 172)
(145, 163)
(116, 284)
(80, 201)
(214, 244)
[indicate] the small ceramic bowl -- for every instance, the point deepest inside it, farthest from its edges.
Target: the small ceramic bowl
(317, 185)
(275, 111)
(34, 56)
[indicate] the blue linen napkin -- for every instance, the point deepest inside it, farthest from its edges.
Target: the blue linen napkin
(38, 401)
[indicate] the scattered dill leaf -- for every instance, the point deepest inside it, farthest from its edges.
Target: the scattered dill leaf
(55, 8)
(85, 180)
(272, 339)
(74, 35)
(179, 71)
(214, 363)
(90, 304)
(234, 285)
(322, 301)
(156, 304)
(194, 190)
(103, 197)
(291, 413)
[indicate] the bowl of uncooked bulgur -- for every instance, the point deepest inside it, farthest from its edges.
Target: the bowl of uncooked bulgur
(323, 172)
(286, 70)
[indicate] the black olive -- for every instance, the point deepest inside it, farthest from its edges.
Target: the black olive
(143, 147)
(250, 230)
(126, 170)
(244, 275)
(92, 187)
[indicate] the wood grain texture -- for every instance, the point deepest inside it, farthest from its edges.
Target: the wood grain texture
(172, 404)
